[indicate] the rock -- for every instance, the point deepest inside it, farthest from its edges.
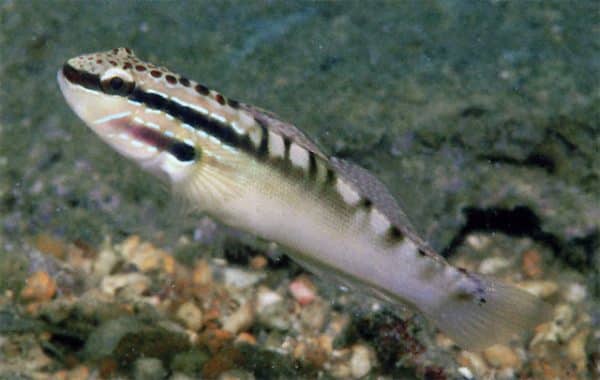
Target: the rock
(258, 262)
(493, 265)
(240, 319)
(240, 278)
(474, 361)
(314, 315)
(576, 350)
(501, 356)
(542, 289)
(271, 309)
(303, 290)
(148, 369)
(532, 263)
(361, 361)
(191, 315)
(236, 374)
(128, 284)
(40, 287)
(245, 338)
(105, 263)
(575, 293)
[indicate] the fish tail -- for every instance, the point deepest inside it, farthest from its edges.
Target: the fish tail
(480, 311)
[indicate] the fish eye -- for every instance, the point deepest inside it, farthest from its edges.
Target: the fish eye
(117, 82)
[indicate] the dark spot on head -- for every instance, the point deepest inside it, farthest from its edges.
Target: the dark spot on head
(112, 63)
(394, 235)
(366, 203)
(462, 270)
(482, 300)
(233, 103)
(115, 50)
(203, 90)
(422, 252)
(219, 98)
(128, 50)
(155, 73)
(140, 68)
(182, 151)
(99, 61)
(127, 65)
(171, 79)
(184, 82)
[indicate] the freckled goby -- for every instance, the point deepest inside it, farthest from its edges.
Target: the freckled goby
(251, 170)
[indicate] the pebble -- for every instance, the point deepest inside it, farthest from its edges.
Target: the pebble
(39, 287)
(361, 361)
(575, 293)
(128, 284)
(474, 361)
(532, 264)
(303, 290)
(576, 350)
(148, 369)
(542, 289)
(146, 256)
(258, 262)
(191, 315)
(240, 319)
(501, 356)
(105, 263)
(271, 309)
(493, 265)
(240, 278)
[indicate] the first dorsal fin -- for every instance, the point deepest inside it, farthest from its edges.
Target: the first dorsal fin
(274, 124)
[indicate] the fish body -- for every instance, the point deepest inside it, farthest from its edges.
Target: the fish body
(253, 171)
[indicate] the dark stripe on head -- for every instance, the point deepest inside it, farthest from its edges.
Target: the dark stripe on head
(216, 128)
(81, 78)
(182, 151)
(312, 166)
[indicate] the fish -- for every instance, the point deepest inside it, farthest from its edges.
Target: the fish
(249, 169)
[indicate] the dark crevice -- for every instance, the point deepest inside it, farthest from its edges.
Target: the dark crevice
(536, 160)
(521, 221)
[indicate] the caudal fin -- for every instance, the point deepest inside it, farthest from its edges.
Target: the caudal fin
(492, 316)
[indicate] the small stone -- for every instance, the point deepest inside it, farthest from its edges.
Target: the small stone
(149, 369)
(236, 374)
(240, 278)
(474, 361)
(532, 263)
(40, 287)
(105, 263)
(271, 309)
(202, 274)
(191, 315)
(575, 293)
(361, 361)
(493, 265)
(245, 338)
(303, 290)
(501, 356)
(240, 319)
(576, 350)
(128, 284)
(258, 262)
(542, 289)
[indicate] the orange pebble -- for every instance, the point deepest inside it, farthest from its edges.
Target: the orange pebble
(532, 263)
(39, 287)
